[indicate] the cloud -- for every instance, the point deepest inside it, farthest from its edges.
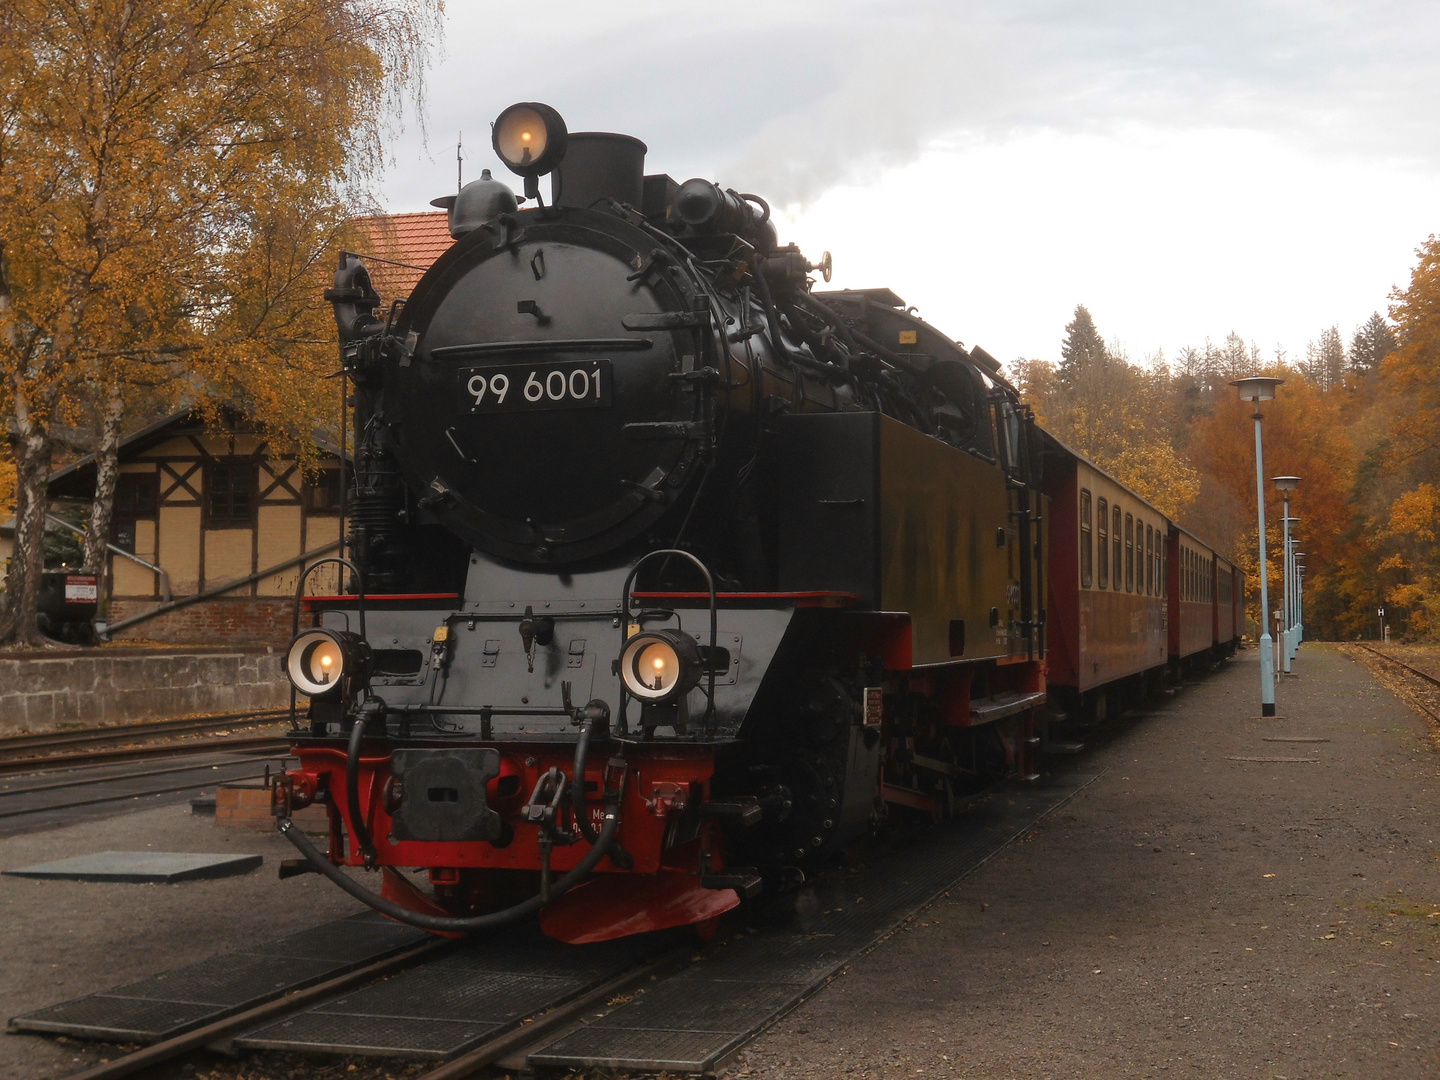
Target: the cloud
(794, 97)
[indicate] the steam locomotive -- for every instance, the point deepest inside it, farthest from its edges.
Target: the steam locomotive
(672, 572)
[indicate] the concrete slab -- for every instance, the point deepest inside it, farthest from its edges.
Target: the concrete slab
(141, 867)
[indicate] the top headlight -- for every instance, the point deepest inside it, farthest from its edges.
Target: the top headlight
(660, 665)
(529, 138)
(319, 662)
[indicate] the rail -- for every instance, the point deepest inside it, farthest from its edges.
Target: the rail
(1424, 676)
(117, 550)
(45, 741)
(219, 590)
(258, 743)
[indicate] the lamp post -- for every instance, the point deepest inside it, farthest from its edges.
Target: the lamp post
(1299, 571)
(1287, 484)
(1260, 388)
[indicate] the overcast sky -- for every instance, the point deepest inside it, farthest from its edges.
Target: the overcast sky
(1184, 170)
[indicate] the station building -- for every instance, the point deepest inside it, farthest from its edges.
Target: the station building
(205, 505)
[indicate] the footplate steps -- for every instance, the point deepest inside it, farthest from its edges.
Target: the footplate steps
(696, 1020)
(173, 1002)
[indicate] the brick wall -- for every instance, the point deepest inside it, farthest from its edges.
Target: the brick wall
(239, 620)
(42, 692)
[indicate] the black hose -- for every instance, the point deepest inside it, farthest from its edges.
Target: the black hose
(363, 839)
(442, 923)
(577, 785)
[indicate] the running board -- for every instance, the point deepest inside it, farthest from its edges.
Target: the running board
(988, 710)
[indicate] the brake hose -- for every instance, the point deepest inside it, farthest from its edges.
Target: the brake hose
(363, 839)
(577, 784)
(445, 924)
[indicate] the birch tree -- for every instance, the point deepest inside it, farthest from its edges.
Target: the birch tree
(156, 156)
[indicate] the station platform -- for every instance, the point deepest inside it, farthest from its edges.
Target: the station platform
(1228, 896)
(1196, 912)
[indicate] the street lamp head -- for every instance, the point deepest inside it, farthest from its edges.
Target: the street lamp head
(1257, 387)
(1284, 483)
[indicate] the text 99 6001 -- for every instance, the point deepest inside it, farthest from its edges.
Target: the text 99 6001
(561, 384)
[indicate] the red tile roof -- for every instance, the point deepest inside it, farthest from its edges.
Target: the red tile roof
(415, 239)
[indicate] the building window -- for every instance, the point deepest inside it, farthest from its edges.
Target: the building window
(1102, 519)
(322, 492)
(136, 496)
(1087, 553)
(1129, 552)
(230, 490)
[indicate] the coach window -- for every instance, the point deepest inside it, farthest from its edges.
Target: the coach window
(1129, 552)
(1115, 539)
(1164, 571)
(1102, 519)
(1139, 556)
(1149, 560)
(1087, 551)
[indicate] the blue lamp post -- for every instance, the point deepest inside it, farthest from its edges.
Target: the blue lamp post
(1260, 388)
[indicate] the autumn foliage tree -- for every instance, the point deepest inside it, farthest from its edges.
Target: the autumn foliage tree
(1113, 412)
(170, 172)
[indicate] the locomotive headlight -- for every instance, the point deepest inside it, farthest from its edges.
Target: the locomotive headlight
(319, 662)
(660, 665)
(529, 138)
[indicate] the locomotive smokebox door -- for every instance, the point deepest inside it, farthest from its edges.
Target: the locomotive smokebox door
(442, 794)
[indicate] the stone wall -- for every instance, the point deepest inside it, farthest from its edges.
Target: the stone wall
(235, 620)
(88, 687)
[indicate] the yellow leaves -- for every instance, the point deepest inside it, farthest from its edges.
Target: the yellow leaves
(7, 488)
(1413, 515)
(1156, 472)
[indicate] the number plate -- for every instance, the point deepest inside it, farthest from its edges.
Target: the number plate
(564, 384)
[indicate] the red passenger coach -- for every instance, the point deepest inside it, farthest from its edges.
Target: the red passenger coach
(1192, 598)
(1107, 610)
(1229, 604)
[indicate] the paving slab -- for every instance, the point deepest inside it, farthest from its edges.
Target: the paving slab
(142, 867)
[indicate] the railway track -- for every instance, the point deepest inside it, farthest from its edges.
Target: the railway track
(587, 1008)
(53, 778)
(164, 738)
(1414, 672)
(535, 1029)
(19, 801)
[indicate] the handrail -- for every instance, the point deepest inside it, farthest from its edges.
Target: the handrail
(164, 577)
(218, 590)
